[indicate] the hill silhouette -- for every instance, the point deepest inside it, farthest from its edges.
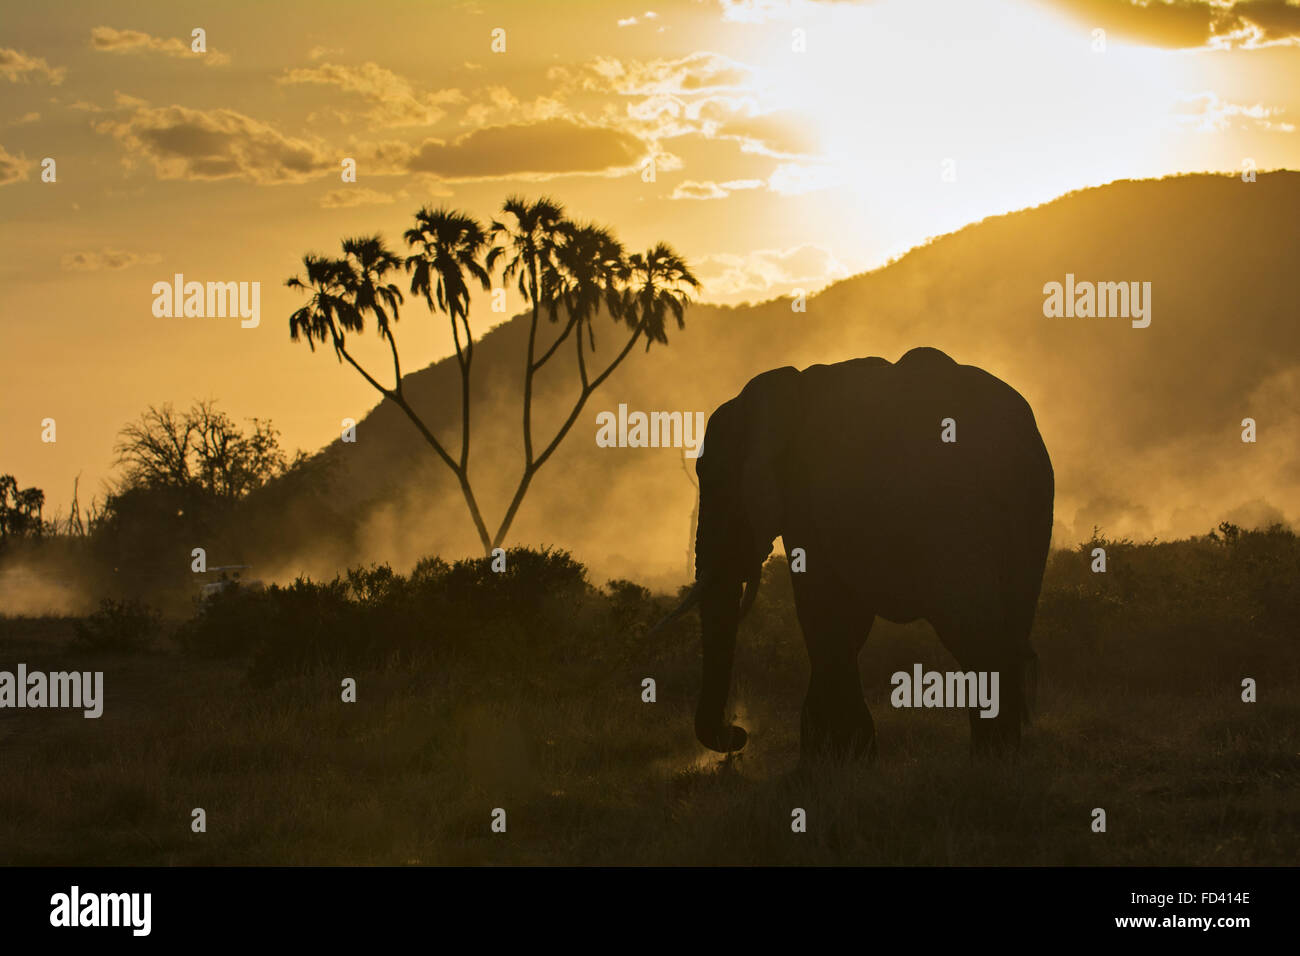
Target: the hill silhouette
(1143, 424)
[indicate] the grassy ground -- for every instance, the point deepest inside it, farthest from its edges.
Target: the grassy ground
(1139, 714)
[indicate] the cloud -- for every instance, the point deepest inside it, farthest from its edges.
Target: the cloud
(1276, 19)
(112, 259)
(18, 67)
(690, 189)
(1257, 24)
(633, 21)
(554, 147)
(26, 118)
(183, 143)
(429, 185)
(794, 179)
(394, 101)
(112, 40)
(320, 52)
(761, 11)
(1255, 513)
(694, 74)
(1207, 113)
(497, 106)
(13, 169)
(702, 94)
(121, 101)
(781, 133)
(350, 196)
(1189, 24)
(669, 115)
(766, 273)
(1111, 515)
(386, 157)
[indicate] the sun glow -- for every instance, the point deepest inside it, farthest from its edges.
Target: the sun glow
(923, 124)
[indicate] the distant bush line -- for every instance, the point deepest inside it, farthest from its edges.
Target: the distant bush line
(1194, 594)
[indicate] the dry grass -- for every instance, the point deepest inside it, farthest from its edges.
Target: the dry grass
(1139, 713)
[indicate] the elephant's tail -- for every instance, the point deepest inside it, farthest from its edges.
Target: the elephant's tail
(1021, 608)
(1022, 590)
(1029, 688)
(1021, 657)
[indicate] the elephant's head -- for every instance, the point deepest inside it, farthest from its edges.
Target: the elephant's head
(740, 515)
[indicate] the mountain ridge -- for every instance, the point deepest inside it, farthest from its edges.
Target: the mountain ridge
(1127, 413)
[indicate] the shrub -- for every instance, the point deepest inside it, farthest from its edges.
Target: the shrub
(629, 604)
(318, 624)
(229, 623)
(118, 626)
(530, 580)
(369, 613)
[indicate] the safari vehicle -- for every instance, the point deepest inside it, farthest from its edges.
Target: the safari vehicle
(229, 580)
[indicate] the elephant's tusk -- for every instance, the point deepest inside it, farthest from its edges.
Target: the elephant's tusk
(692, 598)
(747, 599)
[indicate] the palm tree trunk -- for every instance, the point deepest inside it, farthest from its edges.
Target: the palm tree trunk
(528, 370)
(461, 476)
(464, 357)
(533, 466)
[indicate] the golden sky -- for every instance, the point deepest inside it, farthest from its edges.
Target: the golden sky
(794, 143)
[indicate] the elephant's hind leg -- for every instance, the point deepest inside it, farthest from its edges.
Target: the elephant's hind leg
(981, 643)
(835, 719)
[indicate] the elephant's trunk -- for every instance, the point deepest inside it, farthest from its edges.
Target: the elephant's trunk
(719, 617)
(719, 574)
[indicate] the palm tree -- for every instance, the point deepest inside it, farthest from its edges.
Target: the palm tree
(589, 266)
(657, 285)
(368, 262)
(342, 292)
(587, 269)
(531, 244)
(449, 245)
(554, 263)
(329, 311)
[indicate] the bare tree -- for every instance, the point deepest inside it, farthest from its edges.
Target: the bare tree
(75, 526)
(20, 510)
(201, 448)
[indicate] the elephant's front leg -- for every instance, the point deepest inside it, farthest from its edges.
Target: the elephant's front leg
(835, 719)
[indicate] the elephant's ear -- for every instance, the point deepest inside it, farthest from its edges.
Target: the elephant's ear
(772, 408)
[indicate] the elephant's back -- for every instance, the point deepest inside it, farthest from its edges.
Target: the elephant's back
(920, 447)
(925, 406)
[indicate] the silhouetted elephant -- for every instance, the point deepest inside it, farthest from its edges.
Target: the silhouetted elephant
(848, 462)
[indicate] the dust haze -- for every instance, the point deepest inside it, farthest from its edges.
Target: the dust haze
(1143, 447)
(1143, 424)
